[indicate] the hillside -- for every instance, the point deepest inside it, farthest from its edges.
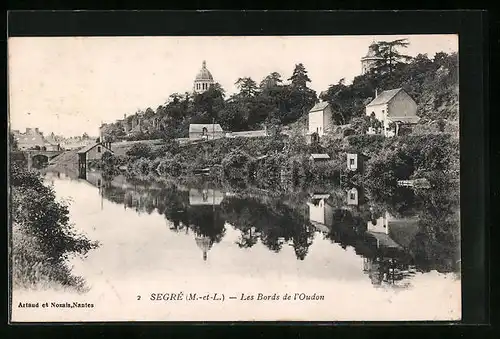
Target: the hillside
(432, 83)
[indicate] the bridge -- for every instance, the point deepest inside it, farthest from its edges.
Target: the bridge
(38, 156)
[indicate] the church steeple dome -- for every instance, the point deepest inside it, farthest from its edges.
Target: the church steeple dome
(203, 79)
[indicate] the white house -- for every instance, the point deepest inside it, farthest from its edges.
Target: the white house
(320, 118)
(353, 196)
(205, 131)
(205, 197)
(395, 106)
(393, 232)
(320, 212)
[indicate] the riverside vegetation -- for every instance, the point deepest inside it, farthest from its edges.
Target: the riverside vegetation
(42, 236)
(429, 149)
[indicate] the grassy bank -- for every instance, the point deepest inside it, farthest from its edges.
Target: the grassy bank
(42, 236)
(270, 162)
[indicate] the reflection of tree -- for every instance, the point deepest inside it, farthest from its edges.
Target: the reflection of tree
(207, 221)
(248, 238)
(346, 229)
(272, 221)
(436, 246)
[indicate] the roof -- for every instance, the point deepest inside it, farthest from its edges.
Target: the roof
(89, 147)
(204, 73)
(385, 97)
(320, 156)
(198, 128)
(259, 133)
(384, 240)
(403, 231)
(319, 106)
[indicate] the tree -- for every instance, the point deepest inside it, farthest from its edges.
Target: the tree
(270, 81)
(247, 87)
(149, 113)
(85, 136)
(12, 142)
(389, 55)
(218, 88)
(299, 77)
(139, 150)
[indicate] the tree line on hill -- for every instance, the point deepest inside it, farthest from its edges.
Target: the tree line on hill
(433, 83)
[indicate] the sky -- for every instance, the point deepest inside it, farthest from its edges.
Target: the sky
(70, 85)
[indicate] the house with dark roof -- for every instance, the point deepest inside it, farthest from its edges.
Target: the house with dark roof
(205, 131)
(390, 231)
(392, 109)
(91, 152)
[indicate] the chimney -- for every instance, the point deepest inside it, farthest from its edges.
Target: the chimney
(36, 130)
(124, 116)
(28, 130)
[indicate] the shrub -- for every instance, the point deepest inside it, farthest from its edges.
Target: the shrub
(236, 165)
(367, 143)
(139, 150)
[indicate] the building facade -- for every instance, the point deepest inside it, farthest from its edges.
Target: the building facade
(205, 131)
(320, 119)
(392, 106)
(370, 60)
(203, 79)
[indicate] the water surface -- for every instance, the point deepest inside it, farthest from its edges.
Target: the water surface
(354, 259)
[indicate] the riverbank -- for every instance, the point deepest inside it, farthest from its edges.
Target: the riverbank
(271, 162)
(42, 236)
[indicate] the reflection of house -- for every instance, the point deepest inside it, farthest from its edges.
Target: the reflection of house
(205, 131)
(356, 162)
(353, 196)
(205, 197)
(205, 244)
(393, 232)
(320, 119)
(320, 212)
(394, 106)
(319, 157)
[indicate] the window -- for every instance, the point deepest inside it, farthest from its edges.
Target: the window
(351, 162)
(98, 149)
(353, 196)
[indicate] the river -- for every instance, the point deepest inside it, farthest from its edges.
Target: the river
(337, 255)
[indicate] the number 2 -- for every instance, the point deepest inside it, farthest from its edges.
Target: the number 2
(138, 297)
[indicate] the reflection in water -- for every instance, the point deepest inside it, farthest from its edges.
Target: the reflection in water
(395, 239)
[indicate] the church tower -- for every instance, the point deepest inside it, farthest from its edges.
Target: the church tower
(370, 59)
(203, 80)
